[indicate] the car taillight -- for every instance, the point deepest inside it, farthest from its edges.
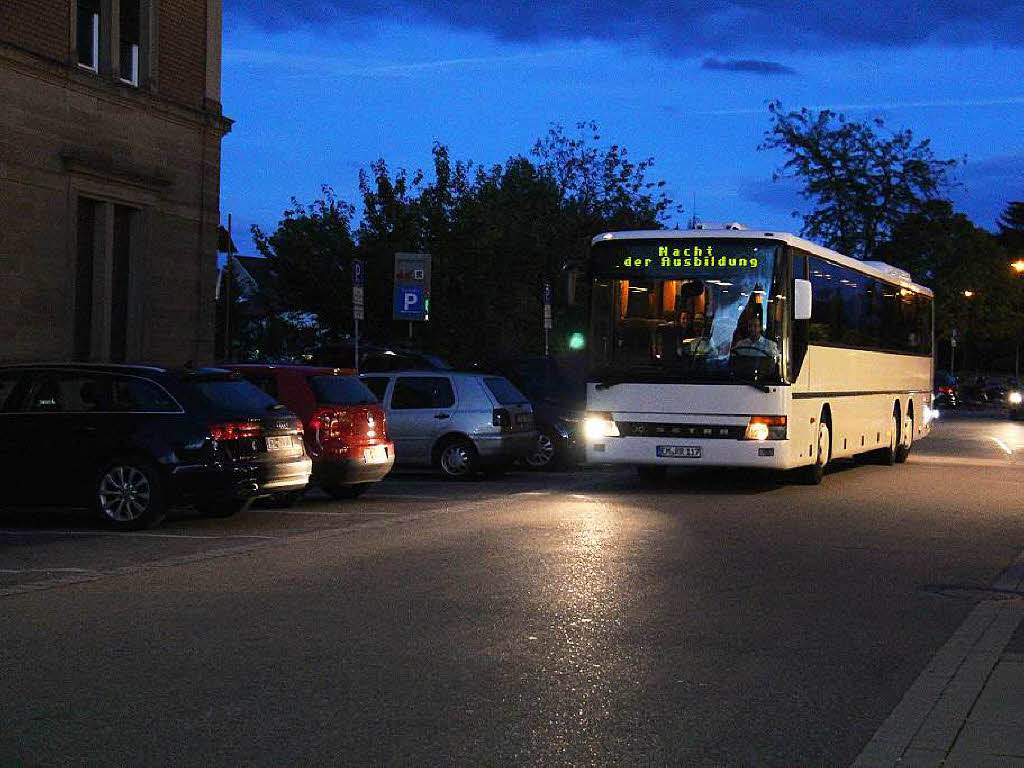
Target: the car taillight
(327, 423)
(501, 418)
(946, 390)
(235, 430)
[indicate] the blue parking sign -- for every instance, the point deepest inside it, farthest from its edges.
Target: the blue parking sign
(409, 302)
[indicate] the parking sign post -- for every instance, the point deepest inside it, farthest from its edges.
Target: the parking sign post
(358, 277)
(547, 316)
(412, 288)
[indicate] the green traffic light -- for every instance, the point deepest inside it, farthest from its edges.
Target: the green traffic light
(577, 341)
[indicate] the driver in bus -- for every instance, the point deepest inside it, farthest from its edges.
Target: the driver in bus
(756, 340)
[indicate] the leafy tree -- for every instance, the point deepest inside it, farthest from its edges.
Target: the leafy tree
(947, 252)
(862, 180)
(1011, 229)
(310, 255)
(494, 235)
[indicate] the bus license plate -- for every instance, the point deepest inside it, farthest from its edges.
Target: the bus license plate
(679, 451)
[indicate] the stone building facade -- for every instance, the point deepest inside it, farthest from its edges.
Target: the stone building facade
(110, 132)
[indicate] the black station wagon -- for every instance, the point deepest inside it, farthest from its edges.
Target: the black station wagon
(129, 440)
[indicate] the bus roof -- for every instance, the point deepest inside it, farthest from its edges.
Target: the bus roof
(877, 269)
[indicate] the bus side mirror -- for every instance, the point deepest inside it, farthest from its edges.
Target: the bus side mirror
(801, 299)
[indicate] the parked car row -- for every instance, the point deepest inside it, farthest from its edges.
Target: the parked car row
(129, 441)
(951, 392)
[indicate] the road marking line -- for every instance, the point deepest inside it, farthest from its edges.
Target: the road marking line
(1002, 445)
(934, 709)
(120, 534)
(958, 461)
(46, 570)
(404, 496)
(268, 542)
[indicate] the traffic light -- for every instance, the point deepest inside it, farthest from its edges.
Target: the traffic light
(577, 341)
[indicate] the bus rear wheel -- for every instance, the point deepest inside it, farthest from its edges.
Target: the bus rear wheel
(907, 438)
(887, 455)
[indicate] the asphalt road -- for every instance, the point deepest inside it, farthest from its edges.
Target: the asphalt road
(584, 618)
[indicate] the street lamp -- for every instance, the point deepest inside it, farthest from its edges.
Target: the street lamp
(1018, 265)
(968, 293)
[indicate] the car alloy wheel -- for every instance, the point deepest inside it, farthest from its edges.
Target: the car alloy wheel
(457, 460)
(125, 494)
(543, 453)
(128, 495)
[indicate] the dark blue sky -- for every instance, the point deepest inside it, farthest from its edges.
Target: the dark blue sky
(321, 88)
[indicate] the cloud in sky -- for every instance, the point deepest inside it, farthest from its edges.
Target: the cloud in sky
(678, 29)
(747, 65)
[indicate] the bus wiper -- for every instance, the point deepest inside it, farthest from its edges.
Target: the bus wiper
(611, 381)
(755, 384)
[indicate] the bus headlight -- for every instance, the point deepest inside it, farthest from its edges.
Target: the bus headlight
(597, 426)
(1015, 398)
(766, 428)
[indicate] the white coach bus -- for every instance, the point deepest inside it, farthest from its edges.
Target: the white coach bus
(744, 348)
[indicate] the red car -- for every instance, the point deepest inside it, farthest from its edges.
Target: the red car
(345, 427)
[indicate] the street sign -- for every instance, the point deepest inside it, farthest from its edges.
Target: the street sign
(410, 302)
(412, 286)
(358, 275)
(547, 306)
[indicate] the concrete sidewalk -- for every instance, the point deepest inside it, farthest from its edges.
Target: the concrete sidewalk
(967, 708)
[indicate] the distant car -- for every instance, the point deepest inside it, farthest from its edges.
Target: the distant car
(345, 427)
(996, 392)
(374, 358)
(459, 423)
(946, 393)
(131, 440)
(557, 393)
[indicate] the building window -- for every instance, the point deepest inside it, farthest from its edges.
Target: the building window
(130, 36)
(89, 34)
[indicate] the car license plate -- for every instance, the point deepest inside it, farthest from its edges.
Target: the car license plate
(679, 451)
(282, 443)
(376, 454)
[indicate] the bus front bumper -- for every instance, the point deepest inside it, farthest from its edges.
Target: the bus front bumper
(692, 452)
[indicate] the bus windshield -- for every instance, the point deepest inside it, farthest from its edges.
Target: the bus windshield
(687, 310)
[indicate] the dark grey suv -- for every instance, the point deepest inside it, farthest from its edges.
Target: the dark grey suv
(131, 440)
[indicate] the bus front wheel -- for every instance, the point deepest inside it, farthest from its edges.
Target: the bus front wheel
(812, 473)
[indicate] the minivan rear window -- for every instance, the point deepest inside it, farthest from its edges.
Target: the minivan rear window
(340, 390)
(503, 390)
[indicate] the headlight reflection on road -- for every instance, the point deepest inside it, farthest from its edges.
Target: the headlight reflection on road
(582, 603)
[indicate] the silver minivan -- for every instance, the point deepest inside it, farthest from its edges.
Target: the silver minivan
(460, 423)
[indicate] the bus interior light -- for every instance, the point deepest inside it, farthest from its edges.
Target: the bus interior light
(766, 428)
